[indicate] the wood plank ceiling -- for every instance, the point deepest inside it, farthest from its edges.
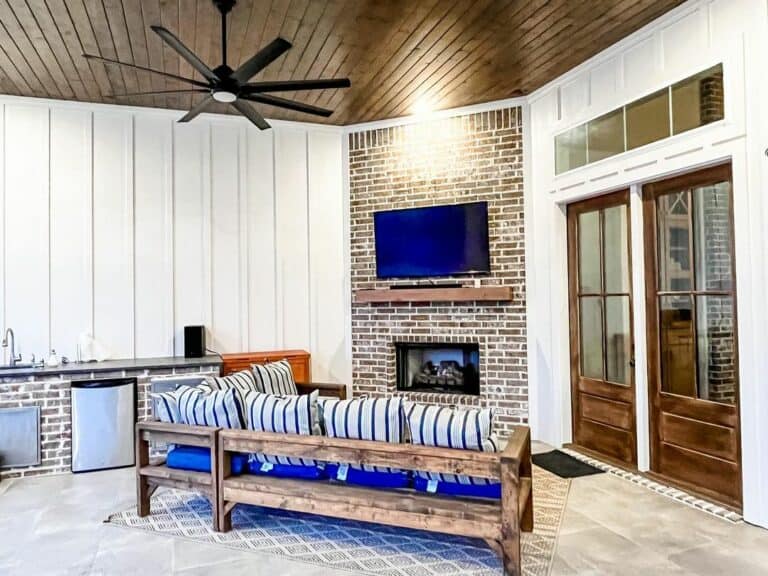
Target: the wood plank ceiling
(447, 53)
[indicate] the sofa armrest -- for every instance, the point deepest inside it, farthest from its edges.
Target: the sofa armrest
(326, 389)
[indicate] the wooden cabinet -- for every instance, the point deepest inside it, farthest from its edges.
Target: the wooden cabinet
(298, 359)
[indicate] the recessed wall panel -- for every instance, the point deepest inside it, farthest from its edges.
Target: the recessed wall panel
(71, 228)
(113, 302)
(26, 228)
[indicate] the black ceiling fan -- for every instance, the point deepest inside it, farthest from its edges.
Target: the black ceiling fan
(222, 84)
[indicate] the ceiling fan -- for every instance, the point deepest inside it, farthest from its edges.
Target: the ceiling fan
(222, 84)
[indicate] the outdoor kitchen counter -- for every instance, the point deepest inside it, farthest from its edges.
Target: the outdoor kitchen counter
(76, 370)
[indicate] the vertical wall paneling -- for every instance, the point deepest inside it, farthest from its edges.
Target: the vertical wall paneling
(291, 222)
(261, 239)
(3, 299)
(225, 238)
(153, 249)
(125, 224)
(326, 256)
(27, 238)
(243, 217)
(71, 227)
(190, 169)
(113, 260)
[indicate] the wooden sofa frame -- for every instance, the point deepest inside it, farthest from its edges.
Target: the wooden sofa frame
(499, 523)
(149, 476)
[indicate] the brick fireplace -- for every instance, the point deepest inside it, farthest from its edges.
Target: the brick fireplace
(476, 157)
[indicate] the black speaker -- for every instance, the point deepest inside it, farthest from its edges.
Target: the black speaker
(194, 341)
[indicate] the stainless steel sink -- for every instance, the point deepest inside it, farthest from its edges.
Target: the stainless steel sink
(20, 365)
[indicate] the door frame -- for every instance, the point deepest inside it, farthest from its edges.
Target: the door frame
(650, 191)
(620, 197)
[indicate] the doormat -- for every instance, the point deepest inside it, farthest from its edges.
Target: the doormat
(356, 547)
(564, 465)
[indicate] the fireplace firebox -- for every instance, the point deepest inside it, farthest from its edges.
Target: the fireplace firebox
(438, 367)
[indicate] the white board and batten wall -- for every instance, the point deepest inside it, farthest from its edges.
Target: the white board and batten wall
(124, 223)
(689, 39)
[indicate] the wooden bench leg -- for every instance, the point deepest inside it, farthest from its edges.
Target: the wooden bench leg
(510, 520)
(222, 515)
(143, 492)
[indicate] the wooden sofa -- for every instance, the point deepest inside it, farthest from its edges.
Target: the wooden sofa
(499, 522)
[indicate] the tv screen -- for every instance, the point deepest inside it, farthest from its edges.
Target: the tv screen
(432, 241)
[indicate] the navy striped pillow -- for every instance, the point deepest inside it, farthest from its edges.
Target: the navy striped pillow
(221, 408)
(242, 381)
(284, 415)
(364, 419)
(275, 378)
(167, 404)
(465, 429)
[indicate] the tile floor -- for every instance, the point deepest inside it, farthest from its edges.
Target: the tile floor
(53, 525)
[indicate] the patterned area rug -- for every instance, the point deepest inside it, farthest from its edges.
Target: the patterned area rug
(357, 547)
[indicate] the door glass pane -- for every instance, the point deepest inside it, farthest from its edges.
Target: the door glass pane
(605, 136)
(615, 249)
(591, 337)
(698, 100)
(675, 271)
(648, 119)
(677, 351)
(618, 339)
(589, 252)
(716, 349)
(712, 226)
(571, 149)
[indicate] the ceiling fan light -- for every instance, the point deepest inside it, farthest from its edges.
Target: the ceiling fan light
(224, 96)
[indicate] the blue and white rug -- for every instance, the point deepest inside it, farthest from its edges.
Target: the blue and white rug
(358, 547)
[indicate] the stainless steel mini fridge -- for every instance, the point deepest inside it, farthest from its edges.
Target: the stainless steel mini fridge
(103, 419)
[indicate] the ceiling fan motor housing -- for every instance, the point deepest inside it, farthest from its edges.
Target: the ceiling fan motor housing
(224, 6)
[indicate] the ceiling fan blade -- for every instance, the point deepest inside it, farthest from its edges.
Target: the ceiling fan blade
(250, 112)
(185, 53)
(200, 107)
(145, 69)
(291, 85)
(289, 104)
(261, 59)
(158, 93)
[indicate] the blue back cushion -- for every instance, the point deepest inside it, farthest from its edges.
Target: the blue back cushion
(168, 404)
(465, 429)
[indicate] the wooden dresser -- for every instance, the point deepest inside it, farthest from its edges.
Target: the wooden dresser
(298, 359)
(301, 365)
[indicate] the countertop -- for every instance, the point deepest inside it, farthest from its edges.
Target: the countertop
(73, 368)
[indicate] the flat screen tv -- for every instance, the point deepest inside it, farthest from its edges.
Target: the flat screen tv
(432, 241)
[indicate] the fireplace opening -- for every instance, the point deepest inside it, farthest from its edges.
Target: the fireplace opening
(438, 367)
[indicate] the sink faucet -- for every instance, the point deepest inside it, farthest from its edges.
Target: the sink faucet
(14, 359)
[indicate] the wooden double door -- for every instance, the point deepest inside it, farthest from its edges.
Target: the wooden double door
(691, 331)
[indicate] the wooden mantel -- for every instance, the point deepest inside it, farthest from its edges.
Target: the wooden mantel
(435, 294)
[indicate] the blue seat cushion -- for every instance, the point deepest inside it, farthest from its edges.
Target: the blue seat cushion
(198, 459)
(490, 490)
(375, 478)
(311, 472)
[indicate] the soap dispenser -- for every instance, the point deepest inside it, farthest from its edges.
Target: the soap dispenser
(53, 360)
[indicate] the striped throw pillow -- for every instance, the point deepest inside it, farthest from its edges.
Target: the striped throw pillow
(275, 378)
(242, 381)
(167, 404)
(284, 415)
(364, 419)
(220, 408)
(466, 429)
